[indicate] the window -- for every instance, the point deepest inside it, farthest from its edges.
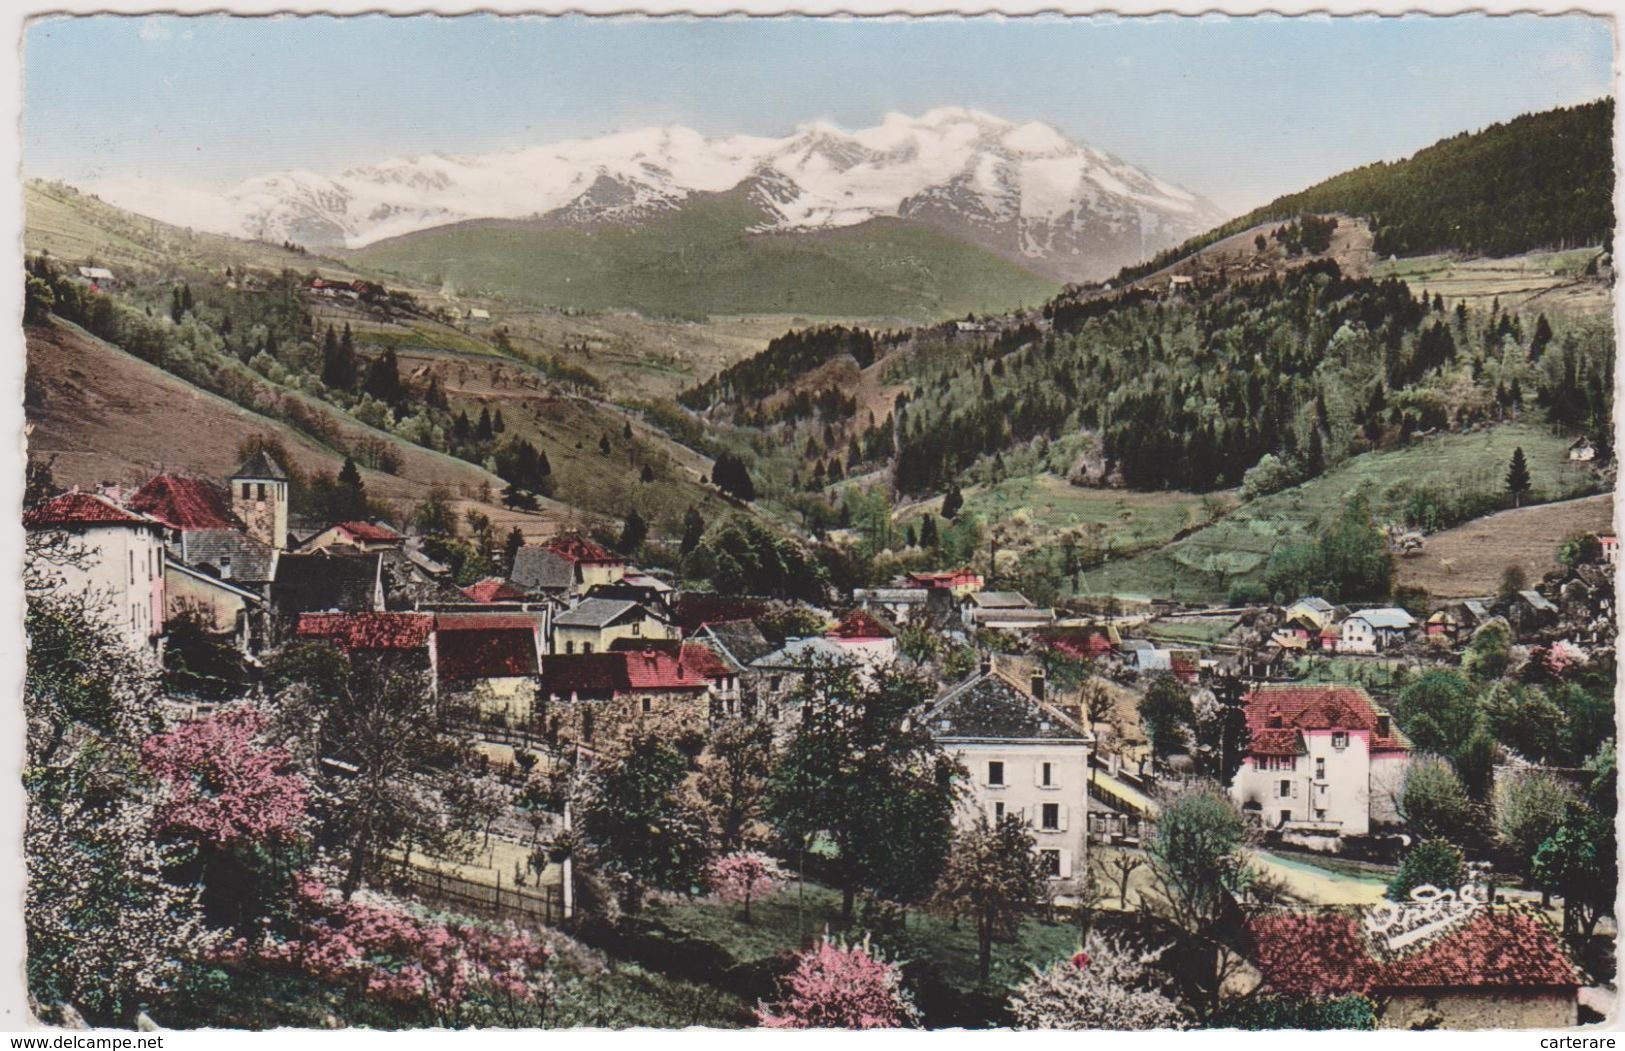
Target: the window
(637, 627)
(1320, 768)
(1340, 739)
(245, 490)
(1285, 789)
(648, 705)
(998, 812)
(586, 647)
(1278, 762)
(1052, 817)
(586, 726)
(1051, 860)
(259, 491)
(569, 647)
(1046, 774)
(995, 773)
(132, 568)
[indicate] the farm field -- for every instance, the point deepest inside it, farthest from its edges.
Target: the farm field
(1467, 561)
(1205, 565)
(1554, 281)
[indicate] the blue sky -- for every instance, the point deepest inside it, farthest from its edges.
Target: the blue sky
(1241, 110)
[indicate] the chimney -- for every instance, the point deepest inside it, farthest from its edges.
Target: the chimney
(1038, 684)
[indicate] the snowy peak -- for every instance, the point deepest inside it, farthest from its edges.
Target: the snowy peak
(1024, 190)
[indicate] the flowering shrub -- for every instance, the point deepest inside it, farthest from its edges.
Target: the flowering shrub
(835, 986)
(222, 788)
(743, 877)
(389, 955)
(1103, 986)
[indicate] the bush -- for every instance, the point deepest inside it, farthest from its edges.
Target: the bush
(1299, 1012)
(1433, 862)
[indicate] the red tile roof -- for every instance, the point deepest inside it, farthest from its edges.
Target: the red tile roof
(580, 549)
(369, 631)
(367, 531)
(946, 578)
(185, 503)
(494, 589)
(486, 652)
(1325, 953)
(71, 509)
(1320, 708)
(618, 673)
(1277, 742)
(861, 624)
(704, 662)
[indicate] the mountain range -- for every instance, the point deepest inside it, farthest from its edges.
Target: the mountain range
(1052, 205)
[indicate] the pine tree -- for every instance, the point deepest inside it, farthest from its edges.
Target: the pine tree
(603, 445)
(633, 532)
(648, 474)
(460, 427)
(498, 425)
(482, 430)
(952, 503)
(693, 530)
(626, 431)
(928, 531)
(352, 492)
(1518, 480)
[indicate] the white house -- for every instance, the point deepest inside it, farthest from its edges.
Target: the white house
(1027, 759)
(1370, 630)
(110, 556)
(1324, 761)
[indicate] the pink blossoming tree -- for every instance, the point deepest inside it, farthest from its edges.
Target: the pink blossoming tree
(743, 877)
(836, 986)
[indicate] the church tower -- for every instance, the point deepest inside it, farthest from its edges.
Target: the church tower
(259, 496)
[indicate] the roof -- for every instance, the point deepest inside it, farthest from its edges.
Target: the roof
(321, 581)
(1331, 707)
(861, 624)
(597, 613)
(580, 549)
(1314, 602)
(493, 589)
(485, 651)
(703, 660)
(1537, 601)
(1001, 600)
(538, 569)
(250, 558)
(991, 706)
(616, 673)
(803, 653)
(897, 596)
(185, 503)
(945, 577)
(209, 580)
(83, 509)
(1328, 953)
(371, 532)
(695, 609)
(369, 631)
(739, 641)
(261, 465)
(95, 273)
(1387, 617)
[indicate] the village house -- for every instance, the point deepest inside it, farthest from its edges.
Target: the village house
(1009, 610)
(220, 607)
(1025, 758)
(365, 537)
(1374, 630)
(901, 605)
(600, 701)
(489, 663)
(957, 582)
(1324, 761)
(726, 693)
(738, 642)
(99, 278)
(1610, 548)
(594, 623)
(109, 556)
(564, 567)
(650, 592)
(493, 589)
(866, 637)
(1444, 965)
(326, 583)
(408, 638)
(205, 530)
(1582, 450)
(1531, 611)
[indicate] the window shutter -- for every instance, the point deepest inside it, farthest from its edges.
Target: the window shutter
(1061, 823)
(1038, 774)
(1294, 789)
(1066, 863)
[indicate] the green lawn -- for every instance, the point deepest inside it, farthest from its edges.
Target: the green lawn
(1202, 631)
(1205, 565)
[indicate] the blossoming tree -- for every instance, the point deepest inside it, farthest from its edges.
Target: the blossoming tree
(743, 877)
(835, 986)
(1104, 986)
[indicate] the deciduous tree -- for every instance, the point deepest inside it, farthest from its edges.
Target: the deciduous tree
(994, 874)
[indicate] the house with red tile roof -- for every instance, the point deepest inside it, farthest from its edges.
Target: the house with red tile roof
(961, 582)
(366, 537)
(1323, 761)
(865, 635)
(183, 503)
(113, 558)
(1454, 965)
(723, 677)
(490, 661)
(370, 631)
(601, 701)
(493, 589)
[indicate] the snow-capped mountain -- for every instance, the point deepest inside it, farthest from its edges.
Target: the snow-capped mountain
(1023, 190)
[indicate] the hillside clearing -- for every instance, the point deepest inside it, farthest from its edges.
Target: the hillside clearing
(1467, 561)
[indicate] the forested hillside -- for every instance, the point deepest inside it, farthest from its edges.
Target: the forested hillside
(1542, 180)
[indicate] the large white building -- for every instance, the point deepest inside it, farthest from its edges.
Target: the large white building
(1323, 761)
(1026, 758)
(1370, 630)
(111, 557)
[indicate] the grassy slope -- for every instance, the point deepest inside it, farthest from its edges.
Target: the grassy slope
(702, 260)
(1555, 282)
(1240, 544)
(1467, 561)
